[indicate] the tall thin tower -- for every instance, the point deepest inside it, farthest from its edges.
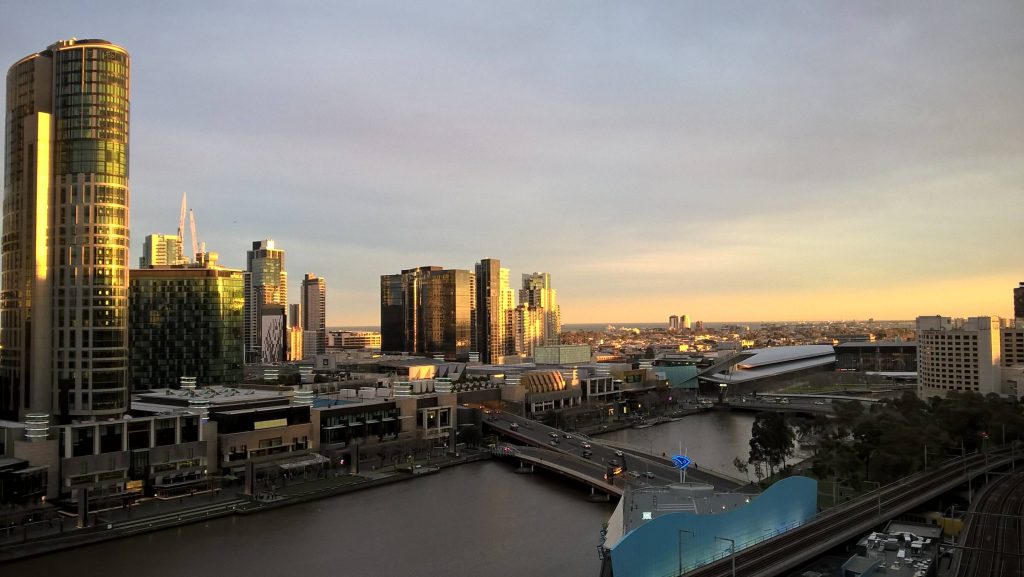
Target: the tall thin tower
(314, 309)
(64, 272)
(266, 283)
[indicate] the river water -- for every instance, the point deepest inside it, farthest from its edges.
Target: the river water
(480, 519)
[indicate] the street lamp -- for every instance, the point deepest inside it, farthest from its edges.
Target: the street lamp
(732, 552)
(681, 531)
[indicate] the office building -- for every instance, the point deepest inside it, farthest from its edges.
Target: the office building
(529, 329)
(266, 283)
(494, 336)
(684, 322)
(1018, 302)
(296, 343)
(673, 323)
(185, 322)
(537, 292)
(162, 250)
(314, 309)
(273, 334)
(427, 310)
(64, 275)
(958, 355)
(294, 315)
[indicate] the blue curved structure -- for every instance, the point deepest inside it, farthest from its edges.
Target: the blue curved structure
(659, 547)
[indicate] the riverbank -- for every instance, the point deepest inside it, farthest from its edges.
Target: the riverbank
(157, 514)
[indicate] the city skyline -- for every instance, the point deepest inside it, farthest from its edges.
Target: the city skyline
(737, 162)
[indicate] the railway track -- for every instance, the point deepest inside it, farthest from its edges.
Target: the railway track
(785, 551)
(993, 545)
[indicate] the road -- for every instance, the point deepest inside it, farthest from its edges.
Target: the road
(570, 449)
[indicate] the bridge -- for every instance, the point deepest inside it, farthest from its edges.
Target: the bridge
(587, 459)
(775, 555)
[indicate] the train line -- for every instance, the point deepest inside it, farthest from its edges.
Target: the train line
(992, 544)
(785, 551)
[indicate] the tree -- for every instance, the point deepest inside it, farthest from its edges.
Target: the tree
(771, 441)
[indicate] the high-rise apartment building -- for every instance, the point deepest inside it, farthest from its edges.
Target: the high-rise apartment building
(494, 326)
(684, 322)
(185, 321)
(958, 355)
(427, 310)
(266, 283)
(162, 250)
(529, 329)
(314, 309)
(64, 272)
(673, 323)
(537, 292)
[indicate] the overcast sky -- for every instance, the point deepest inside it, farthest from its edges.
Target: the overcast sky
(729, 161)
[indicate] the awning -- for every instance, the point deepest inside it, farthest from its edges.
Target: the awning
(309, 460)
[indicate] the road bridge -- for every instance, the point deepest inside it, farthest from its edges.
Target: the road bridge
(590, 457)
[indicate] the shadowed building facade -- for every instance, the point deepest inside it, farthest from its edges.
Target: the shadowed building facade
(186, 321)
(64, 299)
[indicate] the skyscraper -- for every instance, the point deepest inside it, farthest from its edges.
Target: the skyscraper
(427, 310)
(314, 309)
(1018, 302)
(190, 318)
(537, 292)
(266, 283)
(495, 320)
(64, 272)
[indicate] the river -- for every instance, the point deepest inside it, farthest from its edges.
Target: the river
(480, 519)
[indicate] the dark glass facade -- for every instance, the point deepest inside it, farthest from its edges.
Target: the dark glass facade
(64, 300)
(186, 322)
(428, 310)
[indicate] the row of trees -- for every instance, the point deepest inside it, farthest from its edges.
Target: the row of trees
(893, 439)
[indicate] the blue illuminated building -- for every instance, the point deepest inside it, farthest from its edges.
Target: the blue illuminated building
(660, 530)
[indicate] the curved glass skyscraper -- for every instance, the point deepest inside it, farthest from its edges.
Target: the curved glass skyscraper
(64, 253)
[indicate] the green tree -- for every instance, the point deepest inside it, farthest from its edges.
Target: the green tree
(771, 441)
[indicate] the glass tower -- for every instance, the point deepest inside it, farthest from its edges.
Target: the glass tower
(266, 283)
(190, 318)
(64, 254)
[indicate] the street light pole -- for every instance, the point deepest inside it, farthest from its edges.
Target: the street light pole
(732, 552)
(681, 531)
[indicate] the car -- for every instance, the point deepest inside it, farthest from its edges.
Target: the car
(567, 436)
(514, 426)
(553, 442)
(634, 474)
(585, 445)
(819, 402)
(587, 454)
(649, 475)
(553, 435)
(613, 463)
(618, 453)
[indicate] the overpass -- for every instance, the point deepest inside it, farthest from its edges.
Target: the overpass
(774, 555)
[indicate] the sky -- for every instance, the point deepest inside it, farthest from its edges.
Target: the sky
(728, 161)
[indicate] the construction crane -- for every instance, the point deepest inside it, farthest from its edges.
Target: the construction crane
(181, 229)
(195, 241)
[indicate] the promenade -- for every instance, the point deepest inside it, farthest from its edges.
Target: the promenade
(152, 514)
